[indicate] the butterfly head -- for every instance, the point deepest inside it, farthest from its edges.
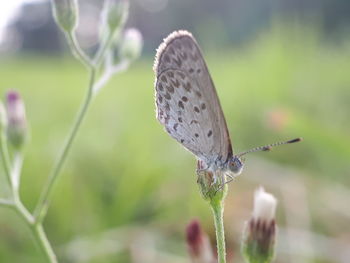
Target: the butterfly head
(235, 165)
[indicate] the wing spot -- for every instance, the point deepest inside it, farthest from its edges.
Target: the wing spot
(181, 105)
(175, 126)
(194, 57)
(166, 58)
(167, 118)
(163, 78)
(167, 96)
(184, 55)
(170, 89)
(170, 74)
(184, 99)
(199, 94)
(196, 134)
(175, 83)
(167, 106)
(198, 70)
(210, 133)
(188, 87)
(203, 106)
(160, 99)
(194, 121)
(160, 87)
(179, 119)
(191, 70)
(182, 140)
(182, 75)
(178, 61)
(196, 109)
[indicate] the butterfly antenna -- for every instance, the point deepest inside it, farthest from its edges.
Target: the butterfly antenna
(269, 147)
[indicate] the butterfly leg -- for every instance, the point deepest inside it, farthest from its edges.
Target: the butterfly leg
(201, 166)
(231, 178)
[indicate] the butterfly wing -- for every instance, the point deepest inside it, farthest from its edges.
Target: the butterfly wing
(186, 99)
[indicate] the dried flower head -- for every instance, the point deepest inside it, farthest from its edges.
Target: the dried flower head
(198, 244)
(264, 205)
(260, 231)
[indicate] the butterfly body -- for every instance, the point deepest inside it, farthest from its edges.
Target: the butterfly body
(231, 168)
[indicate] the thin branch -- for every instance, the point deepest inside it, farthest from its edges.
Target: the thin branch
(43, 203)
(6, 202)
(77, 51)
(5, 157)
(109, 72)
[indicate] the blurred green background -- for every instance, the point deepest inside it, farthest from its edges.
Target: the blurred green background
(128, 190)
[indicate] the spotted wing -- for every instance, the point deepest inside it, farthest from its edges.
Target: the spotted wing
(186, 100)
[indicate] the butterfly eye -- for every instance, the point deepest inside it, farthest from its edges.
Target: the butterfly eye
(235, 165)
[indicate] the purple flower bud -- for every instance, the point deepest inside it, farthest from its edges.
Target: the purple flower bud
(198, 244)
(16, 119)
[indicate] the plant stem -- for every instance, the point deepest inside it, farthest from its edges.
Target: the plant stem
(36, 230)
(42, 206)
(217, 207)
(6, 202)
(77, 51)
(108, 73)
(16, 170)
(43, 203)
(5, 157)
(102, 50)
(44, 243)
(17, 205)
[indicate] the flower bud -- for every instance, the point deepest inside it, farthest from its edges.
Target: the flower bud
(16, 120)
(198, 244)
(211, 184)
(260, 231)
(116, 12)
(66, 14)
(131, 44)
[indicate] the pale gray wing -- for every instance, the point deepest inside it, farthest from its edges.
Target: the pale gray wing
(187, 102)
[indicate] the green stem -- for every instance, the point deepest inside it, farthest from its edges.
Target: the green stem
(16, 171)
(5, 157)
(42, 206)
(36, 230)
(6, 202)
(17, 205)
(103, 49)
(44, 243)
(76, 50)
(217, 207)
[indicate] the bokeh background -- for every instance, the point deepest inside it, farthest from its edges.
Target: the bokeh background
(281, 68)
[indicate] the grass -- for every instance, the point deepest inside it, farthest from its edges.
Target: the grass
(125, 171)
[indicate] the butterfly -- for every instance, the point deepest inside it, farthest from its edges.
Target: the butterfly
(188, 106)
